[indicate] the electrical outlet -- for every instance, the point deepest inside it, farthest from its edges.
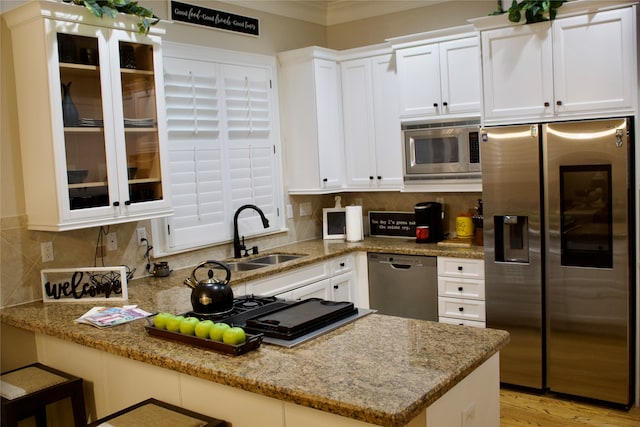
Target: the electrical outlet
(112, 242)
(46, 248)
(141, 233)
(306, 209)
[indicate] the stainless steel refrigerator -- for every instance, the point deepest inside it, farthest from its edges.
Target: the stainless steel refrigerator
(558, 246)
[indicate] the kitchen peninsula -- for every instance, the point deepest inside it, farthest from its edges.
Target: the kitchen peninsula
(379, 370)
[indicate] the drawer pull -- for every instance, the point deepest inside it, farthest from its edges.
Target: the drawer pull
(460, 308)
(336, 286)
(460, 289)
(459, 268)
(342, 264)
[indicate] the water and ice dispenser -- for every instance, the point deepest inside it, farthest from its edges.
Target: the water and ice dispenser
(512, 238)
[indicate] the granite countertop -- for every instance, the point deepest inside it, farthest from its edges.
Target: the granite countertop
(379, 369)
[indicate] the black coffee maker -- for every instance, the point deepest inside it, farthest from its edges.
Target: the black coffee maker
(428, 222)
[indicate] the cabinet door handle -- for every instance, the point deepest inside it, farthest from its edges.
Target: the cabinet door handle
(335, 286)
(546, 104)
(324, 180)
(435, 105)
(379, 177)
(444, 104)
(116, 204)
(127, 203)
(370, 177)
(558, 103)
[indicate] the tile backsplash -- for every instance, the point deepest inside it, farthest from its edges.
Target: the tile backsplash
(21, 261)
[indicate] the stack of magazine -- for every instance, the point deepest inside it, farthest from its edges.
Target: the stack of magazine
(106, 317)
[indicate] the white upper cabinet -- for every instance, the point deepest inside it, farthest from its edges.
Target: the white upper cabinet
(311, 120)
(575, 66)
(438, 74)
(517, 72)
(92, 125)
(373, 151)
(594, 62)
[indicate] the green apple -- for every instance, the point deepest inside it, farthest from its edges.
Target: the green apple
(234, 336)
(216, 331)
(188, 325)
(160, 320)
(203, 327)
(173, 323)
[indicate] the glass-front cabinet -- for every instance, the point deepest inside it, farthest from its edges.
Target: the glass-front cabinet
(98, 151)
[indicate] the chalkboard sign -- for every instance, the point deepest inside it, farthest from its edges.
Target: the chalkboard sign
(218, 19)
(392, 224)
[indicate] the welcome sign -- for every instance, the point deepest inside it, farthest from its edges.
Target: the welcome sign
(84, 284)
(218, 19)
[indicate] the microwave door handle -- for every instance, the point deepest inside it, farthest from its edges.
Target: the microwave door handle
(412, 151)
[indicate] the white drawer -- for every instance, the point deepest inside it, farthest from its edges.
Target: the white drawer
(462, 322)
(461, 267)
(460, 288)
(343, 264)
(461, 308)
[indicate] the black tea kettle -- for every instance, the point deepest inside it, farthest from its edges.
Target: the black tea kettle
(211, 296)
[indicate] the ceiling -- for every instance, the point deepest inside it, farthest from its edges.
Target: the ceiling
(332, 12)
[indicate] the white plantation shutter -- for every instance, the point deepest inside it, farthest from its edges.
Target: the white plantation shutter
(251, 159)
(195, 154)
(221, 151)
(248, 103)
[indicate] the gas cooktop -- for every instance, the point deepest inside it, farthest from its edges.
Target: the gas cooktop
(285, 322)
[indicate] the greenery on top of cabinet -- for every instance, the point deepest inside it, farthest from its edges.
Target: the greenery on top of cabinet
(534, 10)
(111, 8)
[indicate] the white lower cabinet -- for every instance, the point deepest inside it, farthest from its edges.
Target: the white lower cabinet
(333, 280)
(461, 296)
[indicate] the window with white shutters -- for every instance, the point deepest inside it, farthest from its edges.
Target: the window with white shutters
(222, 152)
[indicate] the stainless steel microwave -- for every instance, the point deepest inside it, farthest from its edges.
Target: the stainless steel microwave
(441, 150)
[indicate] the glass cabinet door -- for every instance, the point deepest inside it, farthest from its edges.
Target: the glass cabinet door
(140, 120)
(83, 119)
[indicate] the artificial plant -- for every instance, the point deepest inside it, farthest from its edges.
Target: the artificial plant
(111, 8)
(534, 10)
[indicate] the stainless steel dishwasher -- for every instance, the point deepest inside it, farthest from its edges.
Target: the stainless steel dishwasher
(404, 285)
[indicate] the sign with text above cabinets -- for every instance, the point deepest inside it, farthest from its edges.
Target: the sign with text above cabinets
(217, 19)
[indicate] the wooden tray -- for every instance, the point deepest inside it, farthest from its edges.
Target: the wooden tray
(252, 342)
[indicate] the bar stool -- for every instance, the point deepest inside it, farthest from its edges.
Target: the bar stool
(26, 392)
(156, 413)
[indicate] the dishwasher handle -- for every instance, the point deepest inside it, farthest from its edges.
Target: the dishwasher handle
(398, 266)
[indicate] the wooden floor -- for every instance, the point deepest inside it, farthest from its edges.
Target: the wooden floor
(519, 409)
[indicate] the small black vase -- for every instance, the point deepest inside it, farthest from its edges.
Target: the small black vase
(69, 110)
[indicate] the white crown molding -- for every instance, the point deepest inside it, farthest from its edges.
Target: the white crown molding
(332, 12)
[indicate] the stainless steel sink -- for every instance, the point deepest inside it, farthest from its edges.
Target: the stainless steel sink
(261, 262)
(272, 259)
(244, 266)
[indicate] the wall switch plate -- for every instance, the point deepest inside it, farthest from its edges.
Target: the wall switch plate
(112, 242)
(289, 211)
(306, 209)
(46, 248)
(141, 234)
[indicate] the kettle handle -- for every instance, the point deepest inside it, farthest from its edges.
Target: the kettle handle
(216, 263)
